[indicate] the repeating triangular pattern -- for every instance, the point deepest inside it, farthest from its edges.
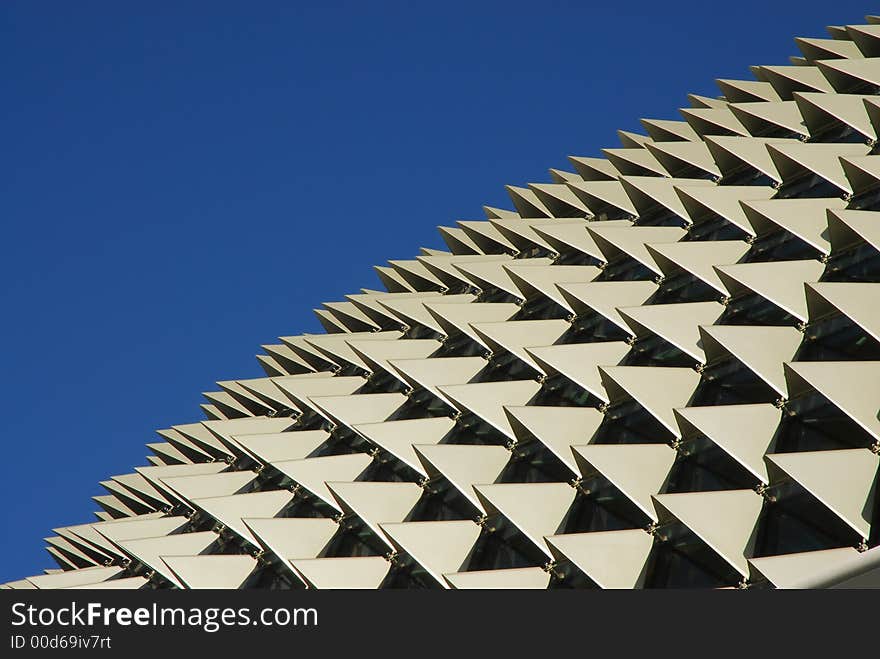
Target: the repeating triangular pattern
(661, 369)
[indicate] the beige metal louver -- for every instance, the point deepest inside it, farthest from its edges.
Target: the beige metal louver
(661, 369)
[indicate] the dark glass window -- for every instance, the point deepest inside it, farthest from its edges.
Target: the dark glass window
(837, 338)
(271, 578)
(730, 382)
(604, 509)
(715, 227)
(868, 200)
(408, 574)
(798, 522)
(505, 367)
(780, 245)
(746, 175)
(340, 442)
(532, 462)
(567, 576)
(420, 404)
(503, 548)
(813, 423)
(836, 131)
(592, 327)
(702, 466)
(857, 263)
(625, 268)
(810, 186)
(660, 216)
(686, 562)
(653, 350)
(682, 286)
(559, 391)
(541, 307)
(381, 382)
(575, 257)
(442, 501)
(353, 538)
(533, 251)
(471, 429)
(306, 505)
(630, 423)
(493, 294)
(386, 468)
(752, 309)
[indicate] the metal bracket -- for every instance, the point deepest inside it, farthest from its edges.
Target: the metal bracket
(578, 484)
(550, 568)
(763, 490)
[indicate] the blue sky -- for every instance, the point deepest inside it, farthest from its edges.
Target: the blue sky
(182, 182)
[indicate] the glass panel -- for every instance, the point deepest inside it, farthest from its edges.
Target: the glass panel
(502, 549)
(859, 263)
(752, 309)
(813, 423)
(541, 307)
(809, 185)
(630, 423)
(559, 391)
(702, 466)
(353, 538)
(442, 501)
(574, 257)
(506, 367)
(729, 382)
(780, 245)
(687, 563)
(798, 522)
(604, 509)
(471, 429)
(682, 286)
(532, 462)
(837, 338)
(592, 327)
(408, 574)
(624, 268)
(653, 350)
(660, 216)
(746, 175)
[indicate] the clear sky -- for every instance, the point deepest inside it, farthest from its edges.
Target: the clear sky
(181, 182)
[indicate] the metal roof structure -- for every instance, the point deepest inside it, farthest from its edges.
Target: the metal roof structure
(661, 369)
